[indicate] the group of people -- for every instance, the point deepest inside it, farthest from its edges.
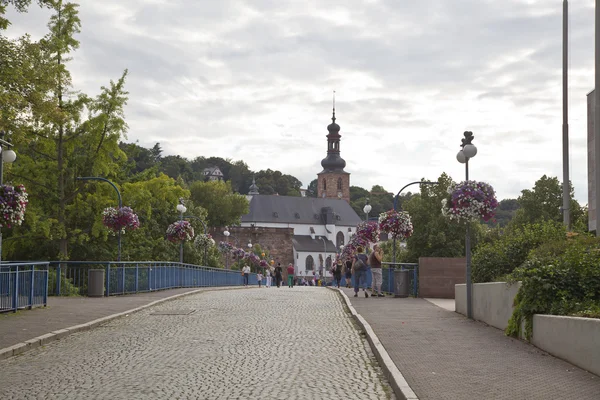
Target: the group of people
(355, 267)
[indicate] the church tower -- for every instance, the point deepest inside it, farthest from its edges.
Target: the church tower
(333, 182)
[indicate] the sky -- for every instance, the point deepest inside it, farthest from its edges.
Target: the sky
(253, 80)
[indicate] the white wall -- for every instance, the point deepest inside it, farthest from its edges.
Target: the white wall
(301, 263)
(492, 302)
(304, 229)
(576, 340)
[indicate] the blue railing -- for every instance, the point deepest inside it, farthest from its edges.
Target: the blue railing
(23, 285)
(388, 277)
(71, 278)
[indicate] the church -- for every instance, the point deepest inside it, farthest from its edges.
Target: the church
(305, 231)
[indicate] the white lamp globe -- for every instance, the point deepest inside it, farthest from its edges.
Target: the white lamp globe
(249, 245)
(460, 156)
(226, 233)
(469, 150)
(367, 209)
(181, 208)
(9, 156)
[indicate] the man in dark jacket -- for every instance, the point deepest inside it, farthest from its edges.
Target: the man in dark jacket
(359, 268)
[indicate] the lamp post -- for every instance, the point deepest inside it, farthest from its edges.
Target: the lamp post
(205, 229)
(324, 271)
(97, 178)
(181, 208)
(227, 234)
(6, 156)
(468, 151)
(367, 210)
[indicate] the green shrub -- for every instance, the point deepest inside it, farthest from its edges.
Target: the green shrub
(559, 278)
(501, 257)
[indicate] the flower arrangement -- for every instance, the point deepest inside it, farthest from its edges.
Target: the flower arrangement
(470, 201)
(263, 264)
(225, 247)
(180, 231)
(204, 241)
(252, 258)
(13, 202)
(239, 253)
(368, 231)
(120, 219)
(396, 223)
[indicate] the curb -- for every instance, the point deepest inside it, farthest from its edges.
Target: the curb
(392, 373)
(31, 344)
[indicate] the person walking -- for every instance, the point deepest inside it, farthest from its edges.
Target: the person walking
(268, 275)
(290, 273)
(359, 268)
(246, 273)
(375, 262)
(259, 278)
(348, 271)
(337, 272)
(278, 272)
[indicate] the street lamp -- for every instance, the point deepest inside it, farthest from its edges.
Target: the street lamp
(181, 208)
(227, 234)
(367, 209)
(6, 156)
(468, 151)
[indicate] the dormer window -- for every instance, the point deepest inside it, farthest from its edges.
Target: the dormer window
(275, 214)
(297, 215)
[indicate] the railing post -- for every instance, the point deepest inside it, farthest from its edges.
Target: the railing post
(123, 277)
(58, 275)
(137, 271)
(31, 289)
(15, 295)
(107, 283)
(47, 273)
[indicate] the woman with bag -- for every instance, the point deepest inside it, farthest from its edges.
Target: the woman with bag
(376, 272)
(359, 268)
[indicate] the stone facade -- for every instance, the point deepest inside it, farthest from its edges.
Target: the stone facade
(439, 275)
(328, 185)
(278, 241)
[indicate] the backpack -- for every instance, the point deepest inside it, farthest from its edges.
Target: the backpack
(360, 264)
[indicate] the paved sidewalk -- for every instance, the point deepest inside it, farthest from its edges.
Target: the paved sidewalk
(64, 312)
(444, 355)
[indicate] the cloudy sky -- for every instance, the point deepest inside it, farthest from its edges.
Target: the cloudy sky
(253, 80)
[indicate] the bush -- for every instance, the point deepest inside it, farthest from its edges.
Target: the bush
(501, 257)
(559, 278)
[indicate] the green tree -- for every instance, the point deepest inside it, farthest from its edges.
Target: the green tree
(544, 202)
(435, 235)
(222, 205)
(312, 190)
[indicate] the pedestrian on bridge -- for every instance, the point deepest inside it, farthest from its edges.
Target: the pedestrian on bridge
(348, 271)
(269, 277)
(246, 273)
(290, 272)
(259, 278)
(376, 272)
(359, 268)
(278, 273)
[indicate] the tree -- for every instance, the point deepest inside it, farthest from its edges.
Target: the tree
(223, 207)
(435, 235)
(312, 190)
(544, 203)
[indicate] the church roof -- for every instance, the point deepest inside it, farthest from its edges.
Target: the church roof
(306, 243)
(299, 210)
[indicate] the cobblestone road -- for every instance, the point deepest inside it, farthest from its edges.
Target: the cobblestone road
(243, 344)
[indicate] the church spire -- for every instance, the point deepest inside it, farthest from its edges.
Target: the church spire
(253, 188)
(333, 161)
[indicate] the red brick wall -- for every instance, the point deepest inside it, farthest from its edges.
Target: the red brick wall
(277, 240)
(438, 275)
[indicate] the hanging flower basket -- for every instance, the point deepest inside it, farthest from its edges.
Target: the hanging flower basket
(470, 201)
(368, 231)
(239, 253)
(120, 219)
(13, 202)
(225, 247)
(204, 241)
(263, 264)
(396, 223)
(252, 258)
(180, 231)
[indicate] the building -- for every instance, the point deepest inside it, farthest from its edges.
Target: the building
(305, 231)
(212, 174)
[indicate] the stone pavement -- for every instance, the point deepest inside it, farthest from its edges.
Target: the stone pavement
(228, 344)
(444, 355)
(64, 312)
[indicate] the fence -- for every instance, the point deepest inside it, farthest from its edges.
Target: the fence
(23, 285)
(388, 277)
(70, 278)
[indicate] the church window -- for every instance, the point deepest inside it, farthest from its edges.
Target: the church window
(339, 239)
(310, 263)
(339, 183)
(324, 184)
